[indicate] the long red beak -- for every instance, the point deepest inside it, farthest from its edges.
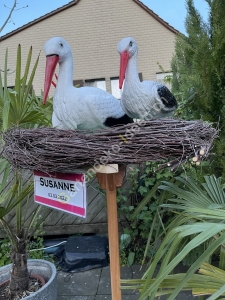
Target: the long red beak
(51, 62)
(124, 57)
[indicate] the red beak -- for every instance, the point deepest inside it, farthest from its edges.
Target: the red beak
(124, 57)
(51, 62)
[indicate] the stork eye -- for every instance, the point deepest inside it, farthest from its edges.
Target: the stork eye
(61, 44)
(131, 43)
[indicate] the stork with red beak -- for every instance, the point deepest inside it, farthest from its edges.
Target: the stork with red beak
(141, 100)
(86, 108)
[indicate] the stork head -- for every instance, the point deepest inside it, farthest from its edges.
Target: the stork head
(127, 47)
(56, 50)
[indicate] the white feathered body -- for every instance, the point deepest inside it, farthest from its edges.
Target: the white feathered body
(147, 99)
(141, 101)
(85, 108)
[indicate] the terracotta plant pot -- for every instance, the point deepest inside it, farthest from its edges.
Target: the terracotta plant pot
(40, 267)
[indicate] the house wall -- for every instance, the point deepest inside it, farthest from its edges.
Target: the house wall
(93, 30)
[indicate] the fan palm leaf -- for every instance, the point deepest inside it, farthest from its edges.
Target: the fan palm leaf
(200, 218)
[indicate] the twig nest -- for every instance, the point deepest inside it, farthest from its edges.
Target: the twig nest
(50, 149)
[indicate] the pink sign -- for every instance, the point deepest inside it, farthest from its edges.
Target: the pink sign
(63, 191)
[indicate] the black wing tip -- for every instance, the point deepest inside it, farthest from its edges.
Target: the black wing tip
(112, 121)
(168, 99)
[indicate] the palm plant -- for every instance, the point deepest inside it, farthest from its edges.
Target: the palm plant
(19, 107)
(11, 198)
(200, 210)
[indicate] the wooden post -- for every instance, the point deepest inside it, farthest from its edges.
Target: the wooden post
(110, 177)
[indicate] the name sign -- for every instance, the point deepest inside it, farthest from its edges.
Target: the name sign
(63, 191)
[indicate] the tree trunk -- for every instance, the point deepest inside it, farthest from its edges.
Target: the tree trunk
(19, 280)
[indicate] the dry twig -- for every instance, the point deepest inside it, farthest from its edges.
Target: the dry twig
(49, 149)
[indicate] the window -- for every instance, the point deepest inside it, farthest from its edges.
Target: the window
(164, 78)
(98, 83)
(78, 83)
(116, 92)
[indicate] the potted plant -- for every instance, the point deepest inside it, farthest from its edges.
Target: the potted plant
(20, 107)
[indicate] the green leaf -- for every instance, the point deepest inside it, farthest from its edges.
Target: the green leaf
(216, 206)
(5, 168)
(218, 293)
(18, 74)
(18, 107)
(5, 114)
(20, 197)
(2, 212)
(5, 76)
(206, 231)
(1, 86)
(26, 72)
(130, 259)
(145, 201)
(143, 190)
(125, 240)
(30, 81)
(222, 258)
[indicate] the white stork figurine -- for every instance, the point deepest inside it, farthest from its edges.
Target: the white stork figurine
(141, 100)
(86, 108)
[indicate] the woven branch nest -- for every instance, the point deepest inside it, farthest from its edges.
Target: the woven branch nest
(50, 149)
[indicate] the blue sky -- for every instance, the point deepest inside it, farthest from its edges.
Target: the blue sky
(172, 11)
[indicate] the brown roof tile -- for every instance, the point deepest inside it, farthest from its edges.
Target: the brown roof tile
(74, 2)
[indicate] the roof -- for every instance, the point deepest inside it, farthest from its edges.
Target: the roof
(154, 15)
(75, 2)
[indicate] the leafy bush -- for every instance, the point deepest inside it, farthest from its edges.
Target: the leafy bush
(198, 74)
(145, 220)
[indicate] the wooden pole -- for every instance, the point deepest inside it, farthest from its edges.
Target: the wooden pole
(109, 179)
(113, 236)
